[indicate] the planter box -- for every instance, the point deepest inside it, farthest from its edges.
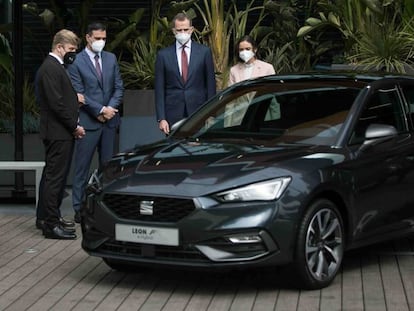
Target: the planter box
(139, 103)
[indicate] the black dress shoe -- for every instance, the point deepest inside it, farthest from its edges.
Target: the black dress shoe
(70, 230)
(66, 223)
(77, 217)
(58, 232)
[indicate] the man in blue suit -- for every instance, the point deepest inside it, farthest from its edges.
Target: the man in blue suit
(184, 76)
(95, 74)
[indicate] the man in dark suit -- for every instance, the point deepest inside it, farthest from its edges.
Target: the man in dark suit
(58, 129)
(95, 74)
(184, 76)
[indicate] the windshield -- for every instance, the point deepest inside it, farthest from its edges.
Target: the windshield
(305, 113)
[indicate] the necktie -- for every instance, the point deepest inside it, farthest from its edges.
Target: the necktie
(98, 67)
(184, 64)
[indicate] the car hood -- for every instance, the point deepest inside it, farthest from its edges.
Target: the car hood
(195, 169)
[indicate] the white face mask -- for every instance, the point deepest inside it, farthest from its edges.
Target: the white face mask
(97, 46)
(246, 55)
(183, 37)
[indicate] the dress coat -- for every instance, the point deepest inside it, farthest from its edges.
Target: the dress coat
(57, 101)
(97, 94)
(175, 99)
(260, 69)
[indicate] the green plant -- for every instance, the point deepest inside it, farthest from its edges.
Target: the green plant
(279, 44)
(7, 91)
(373, 32)
(139, 73)
(387, 46)
(6, 78)
(58, 16)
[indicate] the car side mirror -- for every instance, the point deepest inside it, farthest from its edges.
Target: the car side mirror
(177, 124)
(377, 133)
(379, 130)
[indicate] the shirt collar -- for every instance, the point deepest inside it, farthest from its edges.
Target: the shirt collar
(178, 45)
(57, 57)
(92, 54)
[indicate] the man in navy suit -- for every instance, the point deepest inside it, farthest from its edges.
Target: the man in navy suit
(95, 74)
(184, 76)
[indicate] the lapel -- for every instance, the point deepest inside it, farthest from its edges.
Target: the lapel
(87, 61)
(104, 68)
(61, 67)
(240, 72)
(173, 60)
(193, 58)
(256, 69)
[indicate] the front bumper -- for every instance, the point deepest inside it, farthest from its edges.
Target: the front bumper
(219, 236)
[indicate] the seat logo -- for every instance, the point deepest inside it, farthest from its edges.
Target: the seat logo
(146, 207)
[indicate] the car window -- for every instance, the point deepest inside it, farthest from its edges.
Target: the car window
(297, 113)
(383, 107)
(408, 92)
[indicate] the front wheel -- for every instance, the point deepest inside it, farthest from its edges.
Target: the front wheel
(320, 245)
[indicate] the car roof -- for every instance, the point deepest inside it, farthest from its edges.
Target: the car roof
(358, 78)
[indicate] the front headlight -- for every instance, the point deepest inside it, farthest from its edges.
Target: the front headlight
(262, 191)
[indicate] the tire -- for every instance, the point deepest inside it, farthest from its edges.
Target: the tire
(320, 246)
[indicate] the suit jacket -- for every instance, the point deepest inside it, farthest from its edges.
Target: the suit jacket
(97, 94)
(173, 97)
(260, 69)
(58, 101)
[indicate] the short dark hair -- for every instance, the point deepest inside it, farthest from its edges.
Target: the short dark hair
(246, 38)
(95, 26)
(180, 17)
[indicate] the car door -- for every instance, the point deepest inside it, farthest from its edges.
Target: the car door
(383, 169)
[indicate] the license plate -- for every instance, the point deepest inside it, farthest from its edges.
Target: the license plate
(147, 235)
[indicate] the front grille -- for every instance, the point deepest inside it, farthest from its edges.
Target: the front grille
(159, 252)
(163, 209)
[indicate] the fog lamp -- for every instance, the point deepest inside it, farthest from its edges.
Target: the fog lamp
(245, 238)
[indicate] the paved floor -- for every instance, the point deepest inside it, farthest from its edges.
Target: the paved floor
(42, 274)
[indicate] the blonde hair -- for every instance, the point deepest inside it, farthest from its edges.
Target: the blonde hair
(65, 36)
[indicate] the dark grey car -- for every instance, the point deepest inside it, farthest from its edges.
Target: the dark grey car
(283, 170)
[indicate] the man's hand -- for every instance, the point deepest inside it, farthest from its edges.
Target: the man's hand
(164, 126)
(79, 132)
(81, 99)
(101, 118)
(108, 112)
